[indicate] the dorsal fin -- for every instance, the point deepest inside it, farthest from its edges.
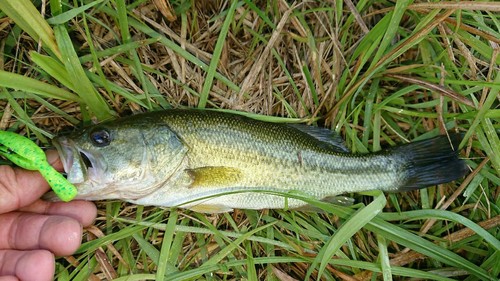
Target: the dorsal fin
(324, 135)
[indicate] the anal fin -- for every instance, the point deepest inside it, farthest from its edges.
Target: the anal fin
(210, 208)
(335, 200)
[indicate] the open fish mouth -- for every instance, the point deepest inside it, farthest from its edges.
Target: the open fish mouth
(79, 165)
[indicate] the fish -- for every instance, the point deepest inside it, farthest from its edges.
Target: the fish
(213, 162)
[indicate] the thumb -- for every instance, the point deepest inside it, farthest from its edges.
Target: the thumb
(19, 187)
(54, 160)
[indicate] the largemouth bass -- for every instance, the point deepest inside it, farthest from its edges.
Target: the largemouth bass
(208, 161)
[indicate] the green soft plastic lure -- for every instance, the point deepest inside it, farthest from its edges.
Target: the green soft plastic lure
(26, 154)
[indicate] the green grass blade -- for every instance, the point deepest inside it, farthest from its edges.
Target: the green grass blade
(149, 249)
(24, 117)
(24, 14)
(214, 62)
(173, 46)
(54, 68)
(67, 16)
(233, 245)
(480, 118)
(251, 271)
(391, 29)
(92, 99)
(123, 233)
(425, 247)
(346, 231)
(384, 258)
(403, 237)
(54, 108)
(136, 66)
(166, 245)
(23, 83)
(136, 277)
(120, 49)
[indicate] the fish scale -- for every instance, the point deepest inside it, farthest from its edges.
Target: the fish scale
(194, 158)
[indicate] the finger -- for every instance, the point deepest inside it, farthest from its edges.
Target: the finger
(84, 212)
(27, 231)
(26, 265)
(8, 278)
(19, 187)
(54, 160)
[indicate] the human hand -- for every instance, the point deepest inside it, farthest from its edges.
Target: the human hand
(32, 231)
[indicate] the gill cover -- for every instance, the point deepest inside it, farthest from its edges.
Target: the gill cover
(123, 159)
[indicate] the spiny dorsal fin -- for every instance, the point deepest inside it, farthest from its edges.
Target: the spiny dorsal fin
(212, 176)
(324, 135)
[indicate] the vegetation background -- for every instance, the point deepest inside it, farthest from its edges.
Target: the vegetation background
(378, 72)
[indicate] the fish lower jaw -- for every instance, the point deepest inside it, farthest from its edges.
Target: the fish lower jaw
(96, 192)
(126, 190)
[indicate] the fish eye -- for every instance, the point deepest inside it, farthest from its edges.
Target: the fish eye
(100, 137)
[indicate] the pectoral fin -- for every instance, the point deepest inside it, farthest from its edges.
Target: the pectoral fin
(214, 176)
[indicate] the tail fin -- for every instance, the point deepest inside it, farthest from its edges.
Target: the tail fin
(430, 162)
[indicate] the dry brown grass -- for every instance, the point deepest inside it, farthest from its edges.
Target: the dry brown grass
(305, 62)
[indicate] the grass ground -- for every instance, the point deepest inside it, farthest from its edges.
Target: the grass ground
(378, 72)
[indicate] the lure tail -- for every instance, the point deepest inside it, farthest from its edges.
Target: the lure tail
(431, 162)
